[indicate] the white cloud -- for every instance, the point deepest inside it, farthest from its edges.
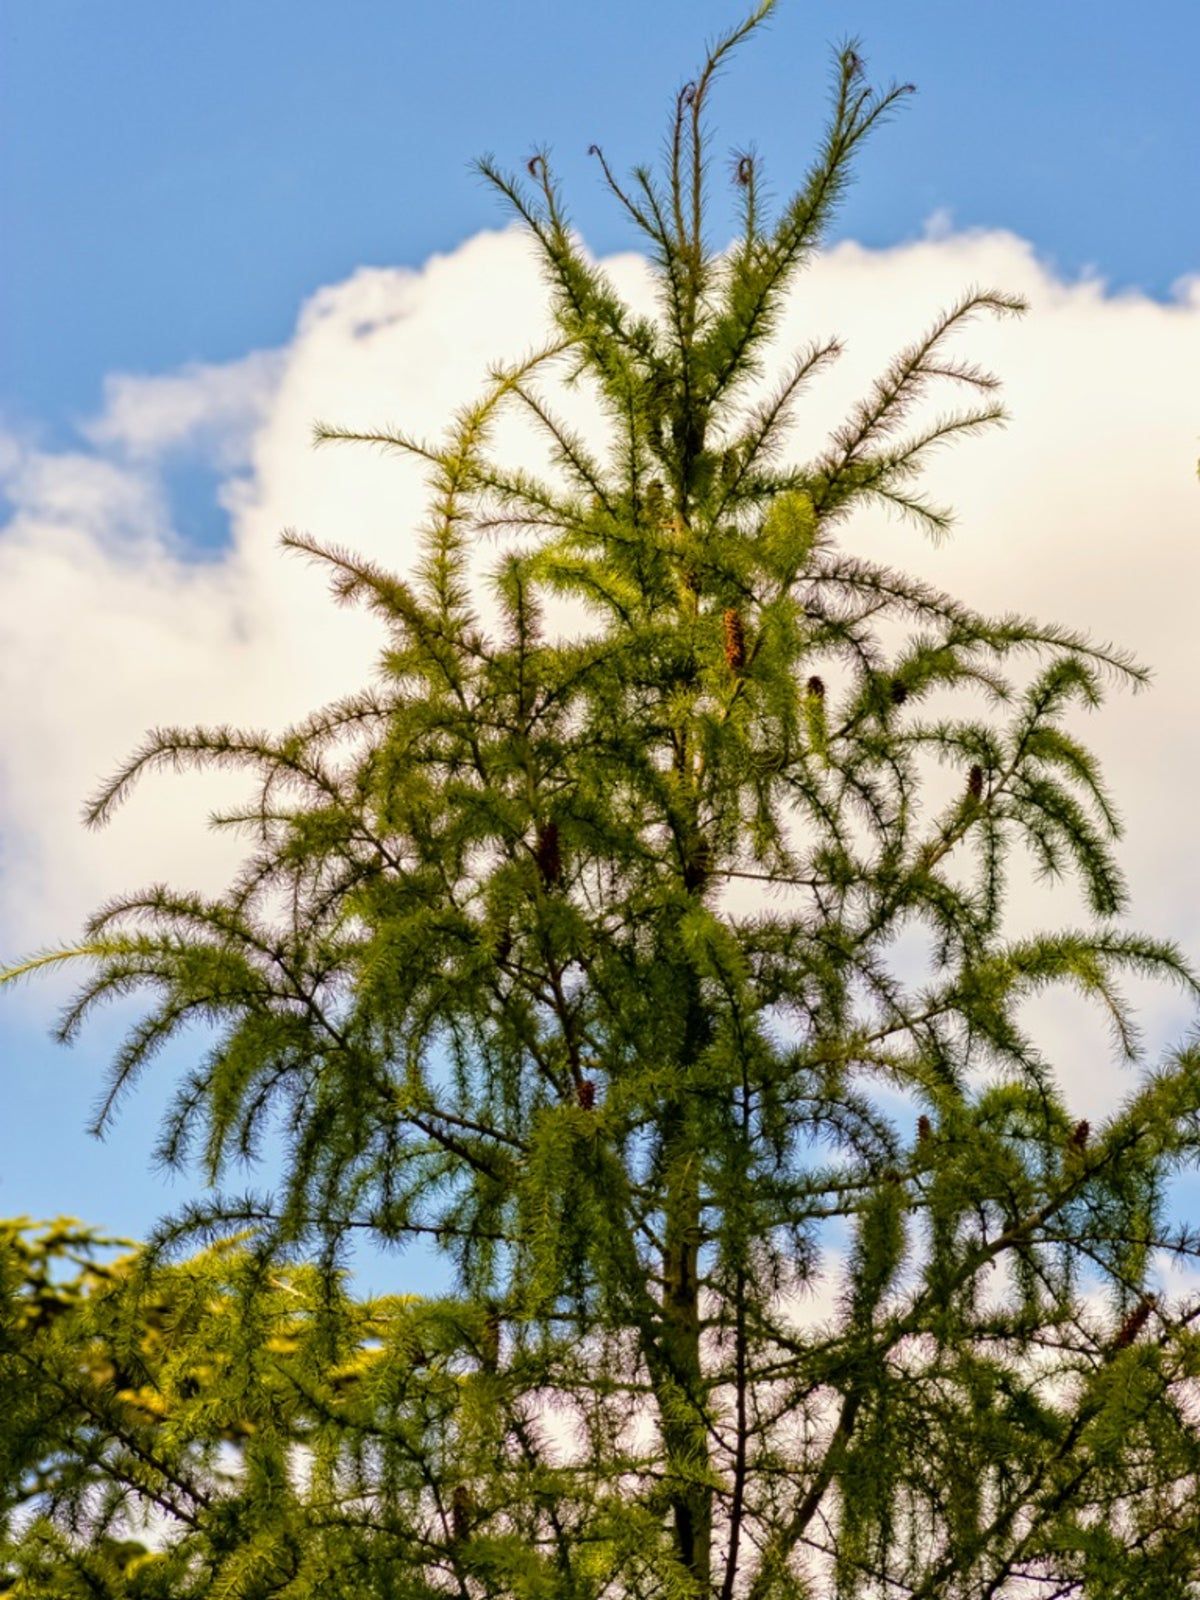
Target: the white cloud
(217, 407)
(1085, 510)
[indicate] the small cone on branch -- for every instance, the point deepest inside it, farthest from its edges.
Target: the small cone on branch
(745, 170)
(586, 1094)
(898, 692)
(816, 687)
(1079, 1135)
(547, 854)
(1134, 1322)
(924, 1129)
(698, 865)
(460, 1512)
(735, 640)
(975, 782)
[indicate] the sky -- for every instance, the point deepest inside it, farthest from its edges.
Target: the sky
(222, 222)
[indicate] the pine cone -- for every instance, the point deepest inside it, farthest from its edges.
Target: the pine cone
(816, 687)
(1134, 1322)
(547, 854)
(975, 782)
(745, 170)
(697, 867)
(924, 1129)
(1079, 1134)
(899, 692)
(586, 1094)
(735, 640)
(461, 1507)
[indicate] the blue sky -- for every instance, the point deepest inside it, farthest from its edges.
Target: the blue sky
(176, 178)
(177, 181)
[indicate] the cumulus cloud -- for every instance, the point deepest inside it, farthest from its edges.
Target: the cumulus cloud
(216, 408)
(1085, 510)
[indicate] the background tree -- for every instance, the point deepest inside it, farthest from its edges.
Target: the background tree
(576, 955)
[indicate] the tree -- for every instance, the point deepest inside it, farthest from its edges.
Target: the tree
(574, 956)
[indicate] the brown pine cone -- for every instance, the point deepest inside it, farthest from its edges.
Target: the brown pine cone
(547, 854)
(461, 1507)
(1134, 1322)
(735, 640)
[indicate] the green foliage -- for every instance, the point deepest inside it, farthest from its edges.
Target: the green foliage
(503, 966)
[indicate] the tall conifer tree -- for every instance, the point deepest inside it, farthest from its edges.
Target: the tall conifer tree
(575, 957)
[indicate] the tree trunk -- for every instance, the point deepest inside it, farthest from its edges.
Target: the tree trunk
(685, 1435)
